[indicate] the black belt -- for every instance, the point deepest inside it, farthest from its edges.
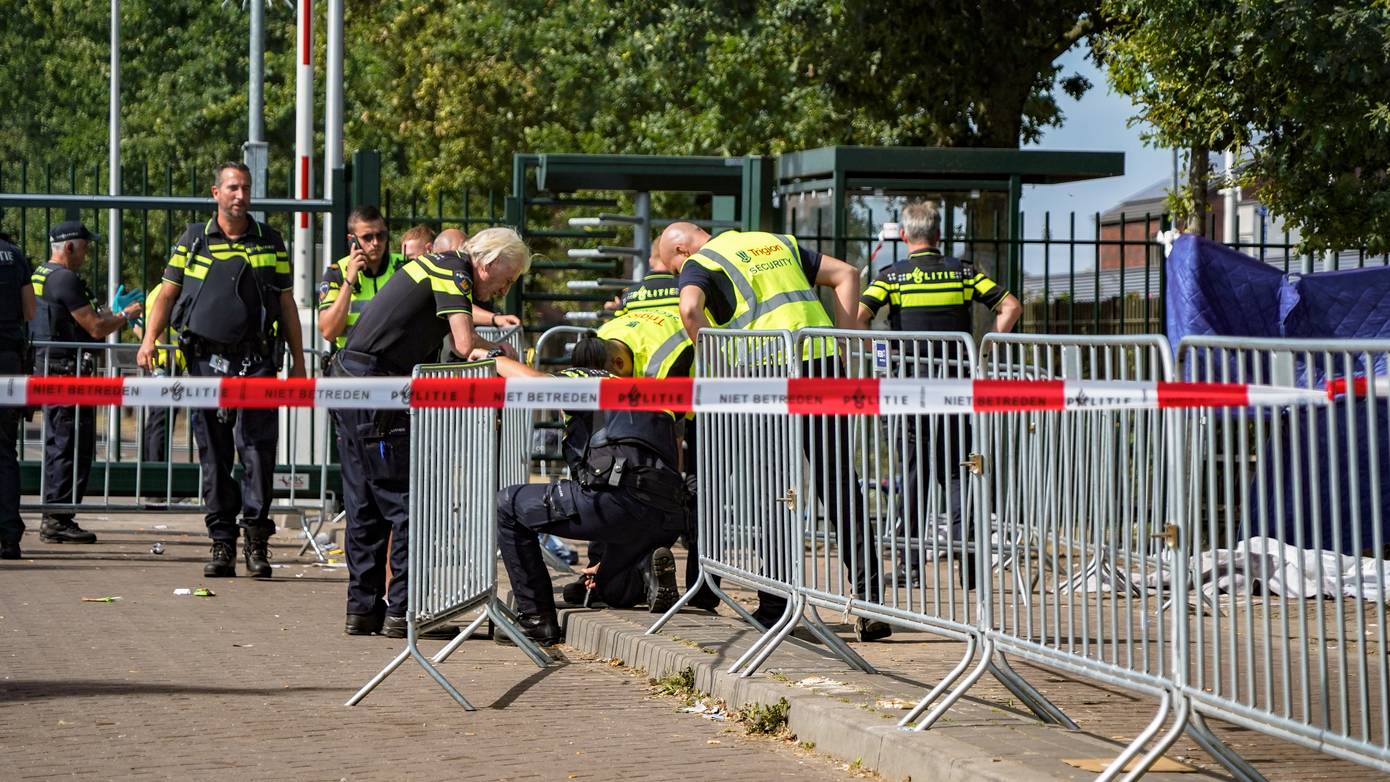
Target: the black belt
(366, 364)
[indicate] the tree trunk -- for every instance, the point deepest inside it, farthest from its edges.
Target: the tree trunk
(1198, 169)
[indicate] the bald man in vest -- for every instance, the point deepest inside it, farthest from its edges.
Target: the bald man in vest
(756, 280)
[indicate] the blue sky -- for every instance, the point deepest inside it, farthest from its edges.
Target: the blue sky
(1098, 122)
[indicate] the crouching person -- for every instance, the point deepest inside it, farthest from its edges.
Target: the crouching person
(626, 494)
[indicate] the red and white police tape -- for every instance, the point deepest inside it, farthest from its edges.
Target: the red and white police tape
(796, 396)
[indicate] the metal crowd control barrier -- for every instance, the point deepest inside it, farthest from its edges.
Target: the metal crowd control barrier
(514, 459)
(916, 524)
(1287, 538)
(1077, 500)
(126, 477)
(748, 528)
(453, 530)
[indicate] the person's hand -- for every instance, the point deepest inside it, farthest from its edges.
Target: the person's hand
(506, 321)
(125, 299)
(356, 261)
(144, 357)
(132, 312)
(590, 575)
(479, 354)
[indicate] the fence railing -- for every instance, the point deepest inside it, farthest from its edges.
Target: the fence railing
(1178, 553)
(453, 530)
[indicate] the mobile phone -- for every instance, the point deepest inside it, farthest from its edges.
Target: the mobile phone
(353, 243)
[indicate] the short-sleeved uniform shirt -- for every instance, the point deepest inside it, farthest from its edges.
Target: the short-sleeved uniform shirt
(262, 247)
(931, 292)
(410, 316)
(60, 292)
(15, 275)
(719, 290)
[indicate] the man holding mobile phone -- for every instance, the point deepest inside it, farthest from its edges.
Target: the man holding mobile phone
(362, 273)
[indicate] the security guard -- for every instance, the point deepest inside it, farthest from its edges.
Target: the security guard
(429, 297)
(17, 307)
(363, 273)
(626, 493)
(228, 293)
(159, 421)
(757, 280)
(69, 312)
(934, 292)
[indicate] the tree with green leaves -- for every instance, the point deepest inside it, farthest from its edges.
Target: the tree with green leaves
(1297, 87)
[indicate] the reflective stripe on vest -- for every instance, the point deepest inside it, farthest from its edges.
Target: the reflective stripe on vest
(655, 337)
(787, 301)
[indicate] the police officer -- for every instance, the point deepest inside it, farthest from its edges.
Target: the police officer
(17, 307)
(429, 297)
(626, 493)
(363, 273)
(228, 293)
(69, 312)
(934, 292)
(757, 280)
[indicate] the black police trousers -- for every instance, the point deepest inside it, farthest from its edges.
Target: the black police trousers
(223, 435)
(11, 525)
(68, 448)
(376, 484)
(943, 441)
(627, 528)
(159, 425)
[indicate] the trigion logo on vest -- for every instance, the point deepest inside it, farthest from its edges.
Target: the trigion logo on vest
(744, 256)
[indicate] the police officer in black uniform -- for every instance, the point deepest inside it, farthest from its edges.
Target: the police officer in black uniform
(427, 298)
(934, 292)
(17, 306)
(626, 493)
(68, 312)
(229, 295)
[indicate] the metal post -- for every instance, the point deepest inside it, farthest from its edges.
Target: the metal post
(333, 116)
(1228, 220)
(303, 153)
(113, 216)
(642, 234)
(256, 152)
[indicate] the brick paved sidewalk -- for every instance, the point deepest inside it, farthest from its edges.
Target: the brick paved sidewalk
(250, 684)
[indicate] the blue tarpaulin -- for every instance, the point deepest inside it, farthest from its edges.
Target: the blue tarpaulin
(1214, 290)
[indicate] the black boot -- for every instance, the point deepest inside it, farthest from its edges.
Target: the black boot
(659, 575)
(223, 562)
(9, 550)
(254, 551)
(544, 630)
(64, 531)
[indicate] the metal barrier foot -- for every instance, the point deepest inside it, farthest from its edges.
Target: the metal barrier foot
(676, 609)
(457, 641)
(986, 654)
(1042, 708)
(311, 536)
(1180, 718)
(412, 649)
(1202, 733)
(834, 643)
(1117, 766)
(775, 635)
(504, 620)
(941, 686)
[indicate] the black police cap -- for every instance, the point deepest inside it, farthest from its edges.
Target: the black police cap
(70, 230)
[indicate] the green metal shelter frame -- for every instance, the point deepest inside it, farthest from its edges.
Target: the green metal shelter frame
(846, 171)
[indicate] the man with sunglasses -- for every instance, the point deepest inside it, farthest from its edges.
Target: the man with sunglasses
(362, 273)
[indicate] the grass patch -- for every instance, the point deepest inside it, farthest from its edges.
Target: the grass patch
(678, 683)
(766, 719)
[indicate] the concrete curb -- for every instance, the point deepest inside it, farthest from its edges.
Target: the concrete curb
(1009, 749)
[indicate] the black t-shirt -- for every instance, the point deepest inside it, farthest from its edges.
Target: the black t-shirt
(719, 290)
(410, 316)
(60, 293)
(14, 275)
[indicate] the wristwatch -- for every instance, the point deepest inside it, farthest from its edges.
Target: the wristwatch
(495, 352)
